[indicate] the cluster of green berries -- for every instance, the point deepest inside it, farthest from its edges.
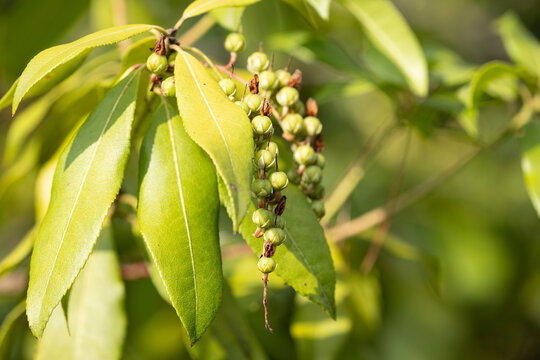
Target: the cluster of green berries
(162, 70)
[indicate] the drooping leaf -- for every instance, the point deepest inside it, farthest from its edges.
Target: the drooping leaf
(390, 34)
(19, 253)
(303, 8)
(178, 217)
(530, 160)
(217, 125)
(96, 316)
(48, 60)
(199, 7)
(304, 259)
(522, 47)
(86, 181)
(322, 7)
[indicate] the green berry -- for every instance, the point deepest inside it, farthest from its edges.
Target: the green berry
(266, 265)
(280, 222)
(270, 146)
(257, 62)
(264, 159)
(312, 174)
(293, 176)
(157, 64)
(299, 108)
(261, 188)
(318, 208)
(168, 87)
(262, 125)
(263, 218)
(317, 192)
(287, 96)
(279, 180)
(305, 155)
(268, 80)
(292, 124)
(275, 235)
(235, 42)
(254, 101)
(244, 107)
(283, 78)
(312, 126)
(228, 86)
(321, 161)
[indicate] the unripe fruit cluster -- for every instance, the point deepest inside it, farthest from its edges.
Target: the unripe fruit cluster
(158, 65)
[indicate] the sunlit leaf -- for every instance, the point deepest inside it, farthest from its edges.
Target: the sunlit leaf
(219, 126)
(19, 253)
(137, 53)
(86, 181)
(48, 60)
(304, 260)
(389, 32)
(96, 316)
(522, 47)
(178, 217)
(229, 17)
(530, 160)
(199, 7)
(303, 8)
(322, 7)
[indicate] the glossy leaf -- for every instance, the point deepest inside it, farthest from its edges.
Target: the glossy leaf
(48, 60)
(486, 75)
(390, 34)
(199, 7)
(229, 17)
(522, 47)
(178, 217)
(86, 181)
(217, 125)
(304, 259)
(530, 160)
(96, 316)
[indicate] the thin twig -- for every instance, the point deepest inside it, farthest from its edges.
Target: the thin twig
(265, 303)
(384, 227)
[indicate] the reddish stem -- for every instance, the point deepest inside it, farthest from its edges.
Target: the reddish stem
(265, 303)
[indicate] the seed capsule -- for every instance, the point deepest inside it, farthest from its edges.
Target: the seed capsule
(268, 80)
(228, 86)
(287, 96)
(270, 146)
(168, 87)
(235, 42)
(318, 208)
(312, 174)
(305, 155)
(262, 218)
(157, 64)
(266, 265)
(279, 180)
(254, 101)
(257, 62)
(244, 107)
(261, 188)
(321, 161)
(264, 159)
(275, 235)
(312, 126)
(292, 124)
(262, 125)
(283, 78)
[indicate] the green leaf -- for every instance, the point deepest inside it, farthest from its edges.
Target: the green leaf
(178, 217)
(522, 47)
(48, 60)
(199, 7)
(86, 181)
(530, 160)
(219, 126)
(386, 28)
(351, 88)
(8, 328)
(137, 53)
(19, 253)
(303, 8)
(304, 259)
(47, 82)
(322, 7)
(96, 315)
(229, 17)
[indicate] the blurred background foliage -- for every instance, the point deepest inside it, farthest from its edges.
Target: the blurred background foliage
(458, 275)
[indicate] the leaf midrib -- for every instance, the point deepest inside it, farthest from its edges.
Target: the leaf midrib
(293, 241)
(217, 125)
(182, 201)
(81, 187)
